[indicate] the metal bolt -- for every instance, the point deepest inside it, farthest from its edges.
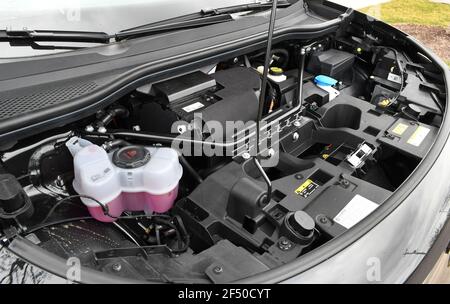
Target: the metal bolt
(298, 176)
(117, 267)
(89, 128)
(182, 129)
(101, 129)
(285, 245)
(246, 155)
(137, 128)
(297, 123)
(218, 269)
(345, 183)
(322, 219)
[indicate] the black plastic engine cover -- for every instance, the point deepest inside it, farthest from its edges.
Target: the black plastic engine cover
(227, 95)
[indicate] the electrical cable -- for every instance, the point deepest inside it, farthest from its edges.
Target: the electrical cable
(124, 231)
(158, 218)
(54, 223)
(66, 199)
(400, 69)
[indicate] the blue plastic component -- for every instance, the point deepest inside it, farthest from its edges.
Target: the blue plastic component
(325, 81)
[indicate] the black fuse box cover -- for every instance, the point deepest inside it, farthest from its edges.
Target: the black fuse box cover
(227, 95)
(184, 86)
(333, 63)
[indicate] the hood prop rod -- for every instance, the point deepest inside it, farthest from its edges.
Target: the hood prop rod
(262, 98)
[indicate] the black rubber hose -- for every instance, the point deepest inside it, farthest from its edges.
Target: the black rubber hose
(284, 54)
(187, 166)
(118, 111)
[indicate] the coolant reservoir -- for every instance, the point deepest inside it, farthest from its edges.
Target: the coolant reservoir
(133, 178)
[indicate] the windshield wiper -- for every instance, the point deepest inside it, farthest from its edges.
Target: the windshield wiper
(172, 26)
(204, 17)
(245, 7)
(60, 36)
(31, 37)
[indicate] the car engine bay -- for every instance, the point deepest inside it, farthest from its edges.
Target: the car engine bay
(118, 191)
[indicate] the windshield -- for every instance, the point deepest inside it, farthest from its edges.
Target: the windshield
(109, 16)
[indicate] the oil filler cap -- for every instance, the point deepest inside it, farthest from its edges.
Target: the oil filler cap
(131, 157)
(301, 223)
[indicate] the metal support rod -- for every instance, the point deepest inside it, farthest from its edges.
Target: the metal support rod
(301, 72)
(262, 96)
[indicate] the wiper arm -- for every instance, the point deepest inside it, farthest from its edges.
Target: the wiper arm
(55, 36)
(31, 38)
(244, 7)
(172, 26)
(204, 17)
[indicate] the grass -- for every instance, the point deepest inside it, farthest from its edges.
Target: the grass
(417, 12)
(421, 12)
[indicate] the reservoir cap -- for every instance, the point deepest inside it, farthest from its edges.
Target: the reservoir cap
(276, 71)
(326, 81)
(131, 157)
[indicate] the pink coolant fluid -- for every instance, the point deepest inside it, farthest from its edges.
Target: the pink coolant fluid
(133, 178)
(140, 201)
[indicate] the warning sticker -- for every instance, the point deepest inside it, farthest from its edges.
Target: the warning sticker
(307, 188)
(193, 107)
(400, 129)
(356, 210)
(418, 136)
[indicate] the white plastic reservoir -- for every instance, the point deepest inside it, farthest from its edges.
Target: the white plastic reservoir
(132, 178)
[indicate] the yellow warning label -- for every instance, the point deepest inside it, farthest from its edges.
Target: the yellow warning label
(307, 188)
(303, 186)
(400, 129)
